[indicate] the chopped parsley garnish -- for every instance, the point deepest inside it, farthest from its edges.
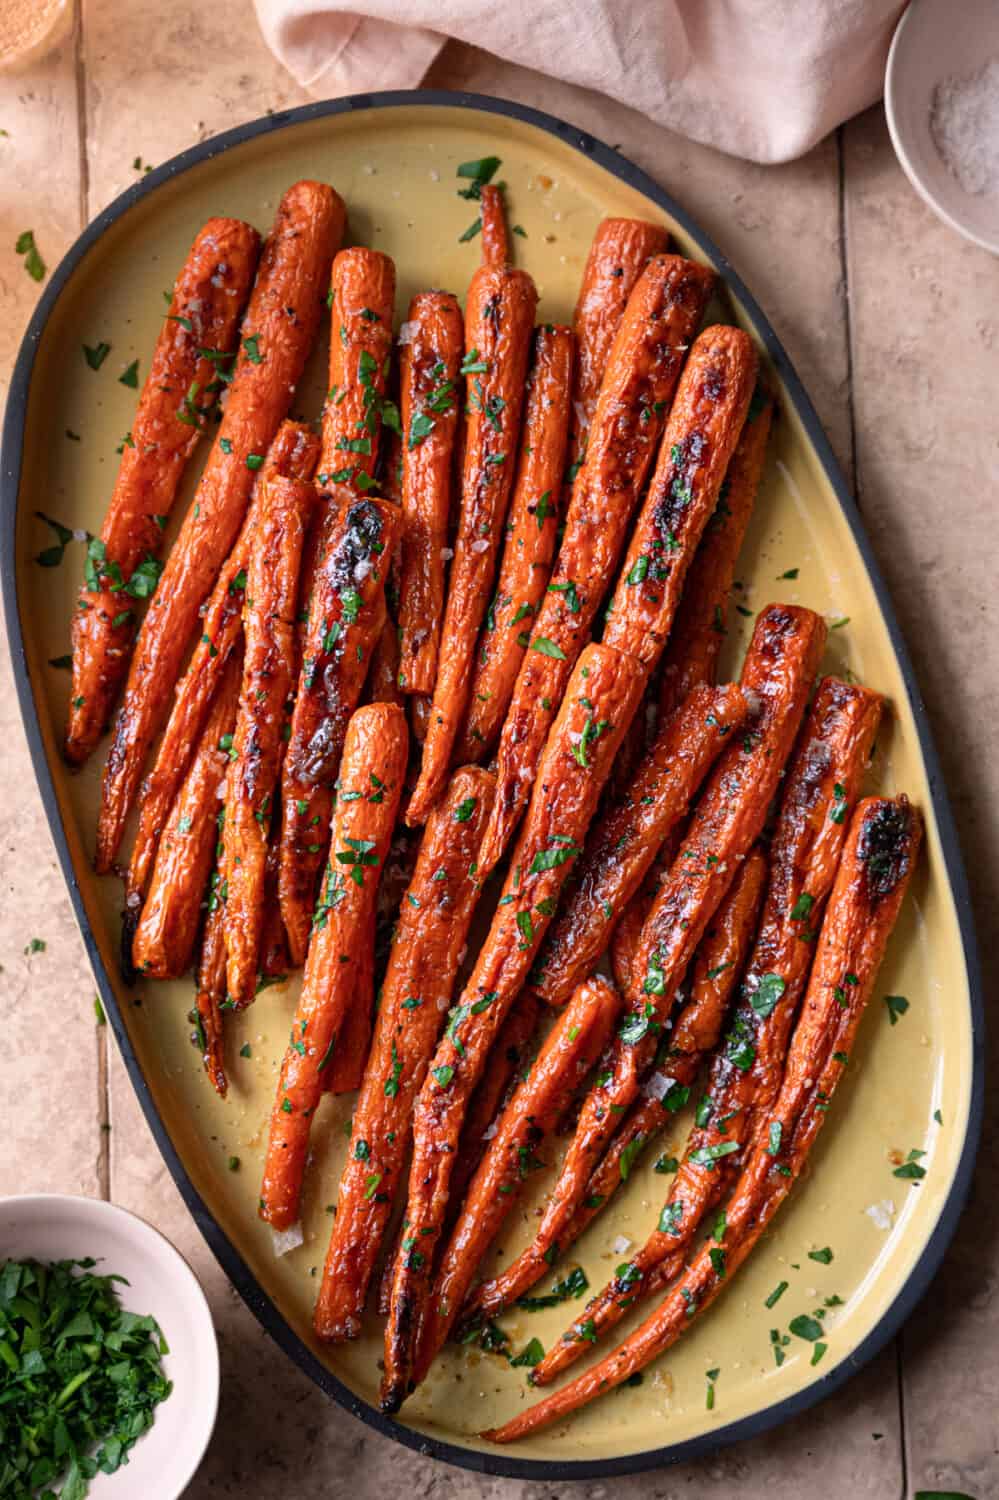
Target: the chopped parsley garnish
(96, 354)
(33, 263)
(897, 1006)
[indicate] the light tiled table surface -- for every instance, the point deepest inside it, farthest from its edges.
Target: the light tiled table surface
(893, 324)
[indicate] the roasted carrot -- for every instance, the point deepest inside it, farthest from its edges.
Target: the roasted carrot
(499, 316)
(620, 251)
(430, 357)
(878, 861)
(274, 960)
(432, 929)
(278, 331)
(271, 598)
(189, 365)
(372, 770)
(346, 616)
(569, 1052)
(717, 966)
(495, 245)
(821, 790)
(382, 684)
(206, 1017)
(508, 1061)
(531, 529)
(644, 366)
(624, 842)
(168, 927)
(700, 625)
(711, 403)
(604, 690)
(292, 455)
(778, 670)
(362, 286)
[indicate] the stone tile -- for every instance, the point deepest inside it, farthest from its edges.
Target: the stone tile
(925, 337)
(759, 216)
(205, 65)
(49, 1102)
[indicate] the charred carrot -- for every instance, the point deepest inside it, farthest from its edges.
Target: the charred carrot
(269, 611)
(278, 331)
(821, 790)
(778, 670)
(495, 245)
(700, 625)
(569, 1052)
(499, 316)
(432, 929)
(620, 251)
(292, 455)
(168, 927)
(878, 861)
(374, 763)
(625, 841)
(430, 356)
(206, 1017)
(711, 403)
(530, 541)
(603, 691)
(716, 968)
(346, 616)
(644, 366)
(190, 364)
(362, 288)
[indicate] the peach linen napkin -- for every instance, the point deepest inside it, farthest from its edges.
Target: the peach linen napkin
(763, 79)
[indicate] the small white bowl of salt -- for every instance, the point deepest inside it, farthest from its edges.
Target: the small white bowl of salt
(942, 102)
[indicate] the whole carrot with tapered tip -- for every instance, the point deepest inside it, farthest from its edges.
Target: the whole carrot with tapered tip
(362, 293)
(278, 331)
(189, 366)
(877, 865)
(371, 773)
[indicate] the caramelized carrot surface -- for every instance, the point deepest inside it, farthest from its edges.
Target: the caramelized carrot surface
(362, 286)
(190, 362)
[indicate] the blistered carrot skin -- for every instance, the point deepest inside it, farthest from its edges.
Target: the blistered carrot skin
(278, 331)
(271, 599)
(432, 929)
(604, 689)
(292, 455)
(701, 621)
(881, 852)
(820, 792)
(346, 617)
(429, 384)
(641, 376)
(624, 843)
(362, 287)
(531, 529)
(207, 1014)
(371, 775)
(499, 318)
(717, 966)
(729, 817)
(495, 244)
(716, 970)
(168, 927)
(193, 353)
(506, 1063)
(620, 251)
(711, 403)
(569, 1052)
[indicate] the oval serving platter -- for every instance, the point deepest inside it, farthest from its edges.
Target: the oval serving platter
(912, 1085)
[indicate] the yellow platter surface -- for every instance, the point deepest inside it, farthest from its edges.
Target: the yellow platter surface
(908, 1086)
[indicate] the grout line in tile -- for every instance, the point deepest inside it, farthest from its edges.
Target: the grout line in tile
(81, 115)
(844, 266)
(104, 1112)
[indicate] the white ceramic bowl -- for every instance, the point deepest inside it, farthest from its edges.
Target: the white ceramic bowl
(938, 40)
(57, 1227)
